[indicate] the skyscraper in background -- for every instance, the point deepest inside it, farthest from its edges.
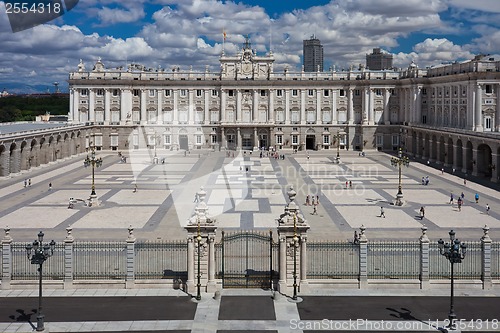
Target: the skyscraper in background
(378, 60)
(313, 55)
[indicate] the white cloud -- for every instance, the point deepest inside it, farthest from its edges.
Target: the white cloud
(480, 5)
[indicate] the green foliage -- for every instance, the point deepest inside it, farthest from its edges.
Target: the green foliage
(26, 108)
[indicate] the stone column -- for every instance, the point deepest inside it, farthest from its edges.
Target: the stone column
(283, 278)
(304, 284)
(350, 106)
(175, 118)
(318, 106)
(475, 161)
(424, 259)
(255, 105)
(292, 229)
(107, 109)
(159, 109)
(15, 160)
(465, 162)
(365, 108)
(68, 258)
(190, 106)
(334, 106)
(125, 106)
(302, 106)
(238, 117)
(255, 139)
(190, 265)
(144, 103)
(486, 259)
(91, 105)
(223, 105)
(211, 284)
(371, 115)
(363, 258)
(494, 172)
(206, 106)
(6, 259)
(478, 114)
(387, 116)
(418, 106)
(130, 277)
(288, 116)
(238, 138)
(271, 116)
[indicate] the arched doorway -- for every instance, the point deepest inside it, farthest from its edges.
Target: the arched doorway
(468, 157)
(460, 155)
(310, 139)
(484, 161)
(183, 139)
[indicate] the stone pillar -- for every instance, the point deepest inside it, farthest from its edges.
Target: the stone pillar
(159, 109)
(371, 104)
(350, 107)
(238, 117)
(486, 259)
(255, 139)
(144, 104)
(363, 258)
(15, 160)
(455, 157)
(446, 161)
(292, 229)
(288, 116)
(465, 162)
(387, 116)
(255, 106)
(365, 108)
(494, 172)
(211, 284)
(474, 162)
(6, 259)
(238, 138)
(130, 277)
(190, 106)
(304, 284)
(190, 265)
(91, 105)
(334, 106)
(107, 104)
(201, 247)
(318, 106)
(271, 116)
(478, 114)
(206, 104)
(302, 106)
(431, 151)
(175, 118)
(68, 258)
(418, 106)
(424, 259)
(223, 105)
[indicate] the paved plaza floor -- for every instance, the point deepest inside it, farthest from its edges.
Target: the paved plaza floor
(244, 192)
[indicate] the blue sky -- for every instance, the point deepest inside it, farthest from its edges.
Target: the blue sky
(184, 33)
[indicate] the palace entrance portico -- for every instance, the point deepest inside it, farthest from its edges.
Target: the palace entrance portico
(247, 138)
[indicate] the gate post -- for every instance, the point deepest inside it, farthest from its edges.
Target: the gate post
(68, 258)
(363, 258)
(424, 259)
(130, 277)
(292, 228)
(486, 259)
(6, 259)
(201, 247)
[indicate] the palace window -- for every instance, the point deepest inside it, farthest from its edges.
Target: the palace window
(326, 139)
(136, 92)
(100, 92)
(84, 92)
(295, 139)
(151, 93)
(215, 93)
(183, 92)
(326, 93)
(279, 93)
(279, 139)
(116, 92)
(341, 92)
(378, 92)
(310, 92)
(230, 92)
(295, 92)
(488, 88)
(167, 93)
(262, 93)
(199, 92)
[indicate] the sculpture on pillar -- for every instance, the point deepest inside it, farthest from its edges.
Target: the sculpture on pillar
(291, 210)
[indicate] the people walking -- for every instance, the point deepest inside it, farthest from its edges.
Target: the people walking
(459, 204)
(307, 201)
(317, 199)
(25, 182)
(476, 197)
(422, 212)
(50, 186)
(462, 195)
(487, 209)
(315, 210)
(382, 213)
(451, 198)
(29, 182)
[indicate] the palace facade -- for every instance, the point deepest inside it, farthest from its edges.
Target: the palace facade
(448, 113)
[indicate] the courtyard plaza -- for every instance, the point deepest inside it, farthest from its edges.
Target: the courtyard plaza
(244, 192)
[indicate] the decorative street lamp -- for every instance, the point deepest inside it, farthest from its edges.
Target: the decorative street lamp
(94, 162)
(41, 252)
(295, 245)
(454, 251)
(399, 161)
(337, 137)
(198, 285)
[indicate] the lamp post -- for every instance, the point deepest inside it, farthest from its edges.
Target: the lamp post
(454, 251)
(400, 161)
(41, 252)
(337, 137)
(94, 162)
(295, 244)
(198, 285)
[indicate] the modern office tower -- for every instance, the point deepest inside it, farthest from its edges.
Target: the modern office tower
(378, 60)
(313, 55)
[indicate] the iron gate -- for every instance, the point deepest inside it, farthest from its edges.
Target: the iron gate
(247, 259)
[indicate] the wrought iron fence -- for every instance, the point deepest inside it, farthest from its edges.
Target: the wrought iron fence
(393, 260)
(99, 260)
(495, 260)
(332, 260)
(469, 269)
(161, 260)
(23, 269)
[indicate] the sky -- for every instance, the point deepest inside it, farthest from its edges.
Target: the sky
(184, 33)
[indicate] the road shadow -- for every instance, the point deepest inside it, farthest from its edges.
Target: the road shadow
(23, 317)
(405, 314)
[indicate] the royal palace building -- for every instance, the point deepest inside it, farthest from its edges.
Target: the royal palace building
(448, 113)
